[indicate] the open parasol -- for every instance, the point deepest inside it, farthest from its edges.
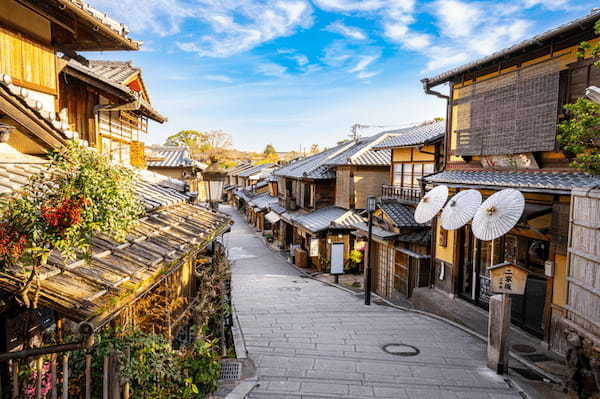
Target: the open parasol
(431, 204)
(498, 214)
(460, 209)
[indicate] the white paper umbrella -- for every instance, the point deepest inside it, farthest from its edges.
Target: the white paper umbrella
(431, 204)
(498, 214)
(460, 209)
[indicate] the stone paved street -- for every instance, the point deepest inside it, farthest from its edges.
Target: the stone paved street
(311, 340)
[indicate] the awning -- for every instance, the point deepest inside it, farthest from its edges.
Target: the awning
(272, 217)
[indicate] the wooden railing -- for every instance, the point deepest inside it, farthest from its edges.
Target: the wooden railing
(405, 194)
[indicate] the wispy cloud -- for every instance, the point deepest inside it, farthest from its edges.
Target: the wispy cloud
(363, 63)
(367, 75)
(348, 31)
(271, 69)
(218, 78)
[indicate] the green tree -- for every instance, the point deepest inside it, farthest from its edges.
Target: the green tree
(580, 134)
(188, 138)
(269, 150)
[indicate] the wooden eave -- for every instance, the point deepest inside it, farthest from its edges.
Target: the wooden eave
(76, 29)
(29, 123)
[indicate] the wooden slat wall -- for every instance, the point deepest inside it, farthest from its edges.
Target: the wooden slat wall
(583, 290)
(343, 189)
(30, 64)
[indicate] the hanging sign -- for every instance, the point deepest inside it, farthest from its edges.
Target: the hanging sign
(508, 278)
(314, 247)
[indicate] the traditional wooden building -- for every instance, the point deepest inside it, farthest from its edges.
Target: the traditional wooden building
(501, 133)
(174, 162)
(31, 34)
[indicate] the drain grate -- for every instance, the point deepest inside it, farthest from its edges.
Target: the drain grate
(230, 371)
(289, 288)
(401, 350)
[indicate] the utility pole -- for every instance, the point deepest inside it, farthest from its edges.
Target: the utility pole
(371, 206)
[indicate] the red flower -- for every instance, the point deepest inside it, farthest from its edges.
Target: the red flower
(12, 242)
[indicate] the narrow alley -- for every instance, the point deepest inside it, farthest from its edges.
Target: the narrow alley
(311, 340)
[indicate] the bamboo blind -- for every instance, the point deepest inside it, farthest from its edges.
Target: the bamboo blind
(513, 113)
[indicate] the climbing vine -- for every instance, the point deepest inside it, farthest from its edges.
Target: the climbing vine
(78, 195)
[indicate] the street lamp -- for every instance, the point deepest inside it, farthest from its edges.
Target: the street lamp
(214, 181)
(371, 206)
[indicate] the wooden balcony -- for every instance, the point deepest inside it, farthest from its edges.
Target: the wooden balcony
(400, 193)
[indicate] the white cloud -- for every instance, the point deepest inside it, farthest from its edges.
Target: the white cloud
(159, 16)
(400, 33)
(551, 4)
(443, 57)
(348, 31)
(233, 26)
(367, 74)
(457, 18)
(271, 69)
(300, 59)
(219, 78)
(363, 63)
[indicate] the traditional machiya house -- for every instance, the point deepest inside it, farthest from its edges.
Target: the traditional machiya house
(402, 247)
(174, 162)
(160, 255)
(501, 133)
(250, 177)
(257, 209)
(231, 182)
(312, 223)
(107, 103)
(31, 34)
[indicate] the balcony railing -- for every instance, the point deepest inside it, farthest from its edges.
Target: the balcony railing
(404, 194)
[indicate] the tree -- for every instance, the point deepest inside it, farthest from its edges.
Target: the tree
(269, 150)
(79, 195)
(580, 134)
(188, 138)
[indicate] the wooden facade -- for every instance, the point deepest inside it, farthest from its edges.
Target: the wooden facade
(498, 140)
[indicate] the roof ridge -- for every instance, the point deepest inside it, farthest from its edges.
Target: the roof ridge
(369, 146)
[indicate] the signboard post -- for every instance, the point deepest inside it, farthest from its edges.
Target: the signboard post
(337, 260)
(506, 279)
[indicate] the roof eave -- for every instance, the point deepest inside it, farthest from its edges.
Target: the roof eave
(540, 40)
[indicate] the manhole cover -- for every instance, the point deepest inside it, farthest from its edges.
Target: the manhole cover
(290, 289)
(230, 371)
(521, 348)
(401, 350)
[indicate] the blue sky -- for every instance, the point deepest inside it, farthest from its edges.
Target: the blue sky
(297, 72)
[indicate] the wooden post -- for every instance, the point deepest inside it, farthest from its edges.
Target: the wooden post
(53, 377)
(38, 377)
(126, 385)
(105, 378)
(115, 380)
(498, 329)
(88, 375)
(65, 378)
(15, 378)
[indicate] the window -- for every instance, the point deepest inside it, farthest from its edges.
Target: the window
(408, 174)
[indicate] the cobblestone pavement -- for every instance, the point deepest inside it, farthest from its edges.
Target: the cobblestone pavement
(311, 340)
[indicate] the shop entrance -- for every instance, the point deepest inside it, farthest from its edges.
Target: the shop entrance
(476, 256)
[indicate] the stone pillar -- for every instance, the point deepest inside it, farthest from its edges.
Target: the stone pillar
(498, 328)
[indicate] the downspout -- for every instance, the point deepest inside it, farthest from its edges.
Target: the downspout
(427, 89)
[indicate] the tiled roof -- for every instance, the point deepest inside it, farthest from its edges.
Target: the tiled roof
(172, 157)
(377, 231)
(278, 209)
(118, 272)
(401, 215)
(115, 71)
(49, 121)
(243, 195)
(314, 166)
(238, 168)
(422, 237)
(156, 191)
(325, 218)
(558, 182)
(103, 75)
(362, 153)
(101, 21)
(535, 42)
(262, 201)
(412, 136)
(256, 169)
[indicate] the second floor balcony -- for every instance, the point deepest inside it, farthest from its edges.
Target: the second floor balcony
(403, 194)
